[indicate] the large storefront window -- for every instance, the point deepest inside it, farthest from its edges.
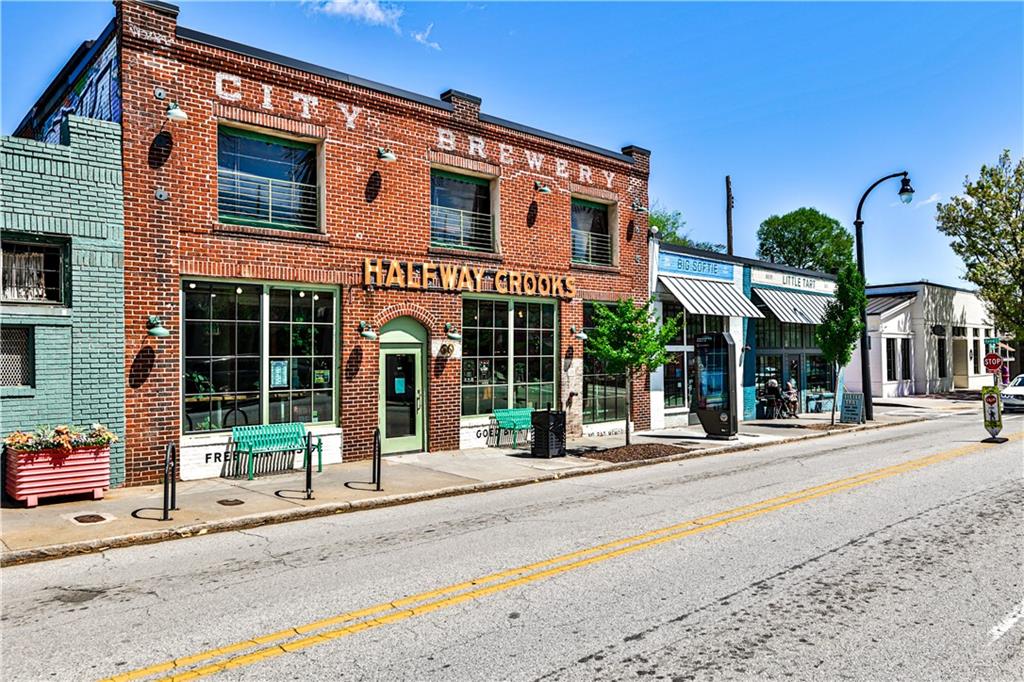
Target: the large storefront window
(669, 311)
(227, 379)
(675, 381)
(508, 355)
(819, 375)
(301, 355)
(767, 367)
(604, 394)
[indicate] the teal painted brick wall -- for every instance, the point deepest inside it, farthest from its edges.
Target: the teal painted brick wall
(71, 192)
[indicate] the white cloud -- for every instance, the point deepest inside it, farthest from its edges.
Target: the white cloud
(372, 12)
(930, 200)
(423, 37)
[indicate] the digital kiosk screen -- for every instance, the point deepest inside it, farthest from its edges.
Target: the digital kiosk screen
(714, 384)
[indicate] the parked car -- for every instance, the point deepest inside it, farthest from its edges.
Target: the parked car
(1013, 394)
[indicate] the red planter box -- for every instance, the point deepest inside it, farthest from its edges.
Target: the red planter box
(31, 475)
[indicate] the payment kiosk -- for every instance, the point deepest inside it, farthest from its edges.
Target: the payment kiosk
(714, 386)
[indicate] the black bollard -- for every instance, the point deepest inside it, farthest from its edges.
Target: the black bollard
(309, 466)
(376, 458)
(170, 483)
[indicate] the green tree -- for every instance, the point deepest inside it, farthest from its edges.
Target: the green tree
(805, 238)
(987, 227)
(670, 226)
(841, 326)
(627, 339)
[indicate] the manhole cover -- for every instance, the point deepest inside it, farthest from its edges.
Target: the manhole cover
(230, 502)
(89, 518)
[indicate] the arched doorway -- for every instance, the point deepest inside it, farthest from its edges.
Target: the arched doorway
(402, 401)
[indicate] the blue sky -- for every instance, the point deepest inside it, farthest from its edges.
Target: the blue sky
(803, 104)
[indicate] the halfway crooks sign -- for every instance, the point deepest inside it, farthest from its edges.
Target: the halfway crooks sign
(451, 277)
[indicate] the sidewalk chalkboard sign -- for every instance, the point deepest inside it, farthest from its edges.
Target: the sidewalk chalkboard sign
(853, 408)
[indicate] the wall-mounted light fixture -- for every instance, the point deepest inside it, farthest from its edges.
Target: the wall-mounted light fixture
(386, 155)
(541, 188)
(638, 207)
(451, 332)
(155, 327)
(579, 333)
(367, 332)
(176, 114)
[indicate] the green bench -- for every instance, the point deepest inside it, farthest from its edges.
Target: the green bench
(515, 419)
(271, 438)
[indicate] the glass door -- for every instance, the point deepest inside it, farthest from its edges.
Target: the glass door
(401, 399)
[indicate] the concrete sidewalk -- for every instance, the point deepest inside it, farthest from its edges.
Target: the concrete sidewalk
(132, 515)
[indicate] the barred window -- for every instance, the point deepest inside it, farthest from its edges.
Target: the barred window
(32, 273)
(15, 356)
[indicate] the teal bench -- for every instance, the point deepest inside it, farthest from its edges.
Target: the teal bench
(515, 419)
(270, 438)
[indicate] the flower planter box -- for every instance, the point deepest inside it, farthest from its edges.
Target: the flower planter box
(31, 475)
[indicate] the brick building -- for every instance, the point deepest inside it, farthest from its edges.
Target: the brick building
(61, 327)
(337, 252)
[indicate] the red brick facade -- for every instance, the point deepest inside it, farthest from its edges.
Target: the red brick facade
(371, 209)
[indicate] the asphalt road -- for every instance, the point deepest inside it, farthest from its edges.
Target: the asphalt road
(889, 554)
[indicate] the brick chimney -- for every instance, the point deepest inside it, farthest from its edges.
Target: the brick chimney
(465, 107)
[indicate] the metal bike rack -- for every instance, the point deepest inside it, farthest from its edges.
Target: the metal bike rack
(376, 459)
(170, 481)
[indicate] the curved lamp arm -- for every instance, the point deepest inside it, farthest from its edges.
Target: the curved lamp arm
(878, 182)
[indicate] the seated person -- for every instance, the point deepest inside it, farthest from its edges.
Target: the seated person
(773, 397)
(792, 397)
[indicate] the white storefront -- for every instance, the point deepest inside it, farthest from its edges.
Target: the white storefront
(923, 338)
(708, 289)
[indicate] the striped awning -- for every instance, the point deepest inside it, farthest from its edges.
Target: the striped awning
(883, 304)
(705, 297)
(793, 306)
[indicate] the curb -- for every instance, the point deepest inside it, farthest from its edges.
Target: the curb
(49, 552)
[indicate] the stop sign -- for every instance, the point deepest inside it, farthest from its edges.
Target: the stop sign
(991, 399)
(993, 362)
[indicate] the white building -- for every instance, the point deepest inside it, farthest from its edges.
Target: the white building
(923, 338)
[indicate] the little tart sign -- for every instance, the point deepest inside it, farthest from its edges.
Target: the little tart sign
(378, 272)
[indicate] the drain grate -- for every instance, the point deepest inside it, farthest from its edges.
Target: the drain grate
(231, 502)
(90, 518)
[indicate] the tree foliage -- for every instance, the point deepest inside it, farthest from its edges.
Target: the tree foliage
(805, 238)
(671, 226)
(841, 324)
(987, 227)
(627, 339)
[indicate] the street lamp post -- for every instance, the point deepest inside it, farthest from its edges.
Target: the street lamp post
(906, 196)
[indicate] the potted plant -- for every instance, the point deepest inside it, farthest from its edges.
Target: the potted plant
(58, 461)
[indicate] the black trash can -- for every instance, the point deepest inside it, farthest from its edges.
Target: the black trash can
(548, 433)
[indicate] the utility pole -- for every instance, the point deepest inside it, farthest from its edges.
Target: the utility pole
(729, 203)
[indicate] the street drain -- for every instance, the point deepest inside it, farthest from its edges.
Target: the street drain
(89, 518)
(230, 502)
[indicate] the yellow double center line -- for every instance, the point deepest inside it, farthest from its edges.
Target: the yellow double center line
(318, 632)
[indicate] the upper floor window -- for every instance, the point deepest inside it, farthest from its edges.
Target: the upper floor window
(33, 273)
(460, 211)
(591, 233)
(266, 181)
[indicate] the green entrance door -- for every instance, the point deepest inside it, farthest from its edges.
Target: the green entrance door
(403, 391)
